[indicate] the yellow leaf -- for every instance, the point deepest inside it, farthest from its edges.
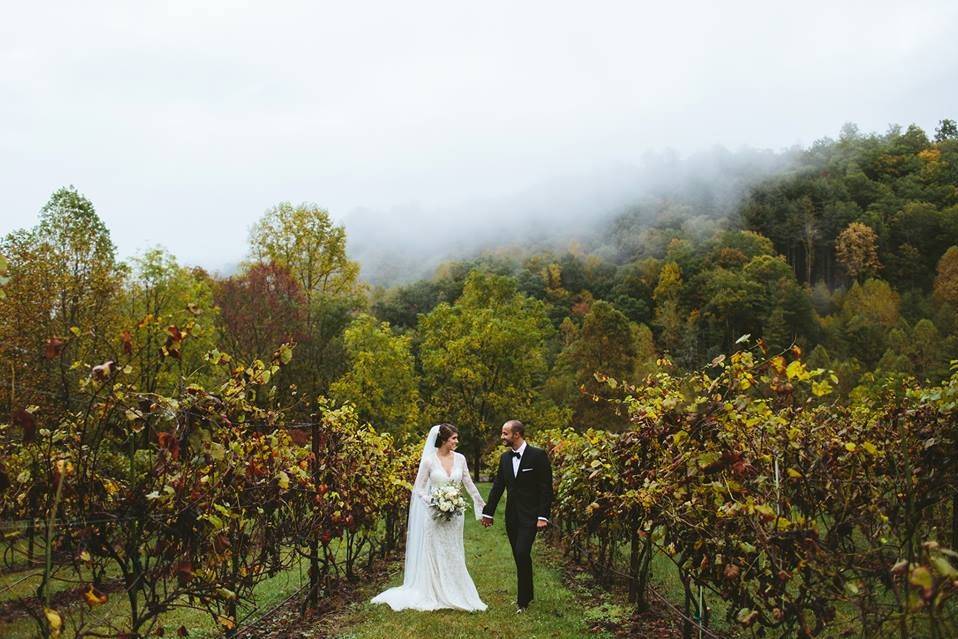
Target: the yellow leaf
(794, 474)
(225, 593)
(55, 621)
(921, 577)
(283, 479)
(226, 622)
(796, 370)
(94, 597)
(870, 448)
(851, 447)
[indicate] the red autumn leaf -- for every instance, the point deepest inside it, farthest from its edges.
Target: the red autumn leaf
(182, 632)
(174, 333)
(170, 443)
(54, 347)
(184, 572)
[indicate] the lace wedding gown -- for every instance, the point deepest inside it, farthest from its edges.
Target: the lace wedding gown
(437, 577)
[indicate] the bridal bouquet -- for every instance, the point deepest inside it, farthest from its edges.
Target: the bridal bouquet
(447, 501)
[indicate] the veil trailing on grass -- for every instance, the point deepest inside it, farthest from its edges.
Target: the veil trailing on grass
(415, 537)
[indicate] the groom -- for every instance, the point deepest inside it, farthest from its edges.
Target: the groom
(526, 472)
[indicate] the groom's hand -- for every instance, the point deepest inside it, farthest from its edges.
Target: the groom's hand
(542, 523)
(487, 522)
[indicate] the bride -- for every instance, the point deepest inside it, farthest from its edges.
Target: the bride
(434, 572)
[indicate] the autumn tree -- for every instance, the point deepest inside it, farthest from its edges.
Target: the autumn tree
(380, 380)
(668, 316)
(260, 308)
(303, 239)
(61, 298)
(857, 250)
(946, 282)
(4, 278)
(483, 357)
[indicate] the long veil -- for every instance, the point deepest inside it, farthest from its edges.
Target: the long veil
(415, 538)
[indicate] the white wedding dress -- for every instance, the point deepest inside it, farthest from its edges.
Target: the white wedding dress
(435, 574)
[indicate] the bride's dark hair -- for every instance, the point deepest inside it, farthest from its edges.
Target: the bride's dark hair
(445, 432)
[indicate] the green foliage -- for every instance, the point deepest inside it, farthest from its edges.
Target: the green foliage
(174, 321)
(381, 380)
(609, 345)
(483, 357)
(303, 239)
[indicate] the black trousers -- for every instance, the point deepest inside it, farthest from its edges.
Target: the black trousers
(521, 538)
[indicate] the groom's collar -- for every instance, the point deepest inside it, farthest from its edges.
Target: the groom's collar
(521, 449)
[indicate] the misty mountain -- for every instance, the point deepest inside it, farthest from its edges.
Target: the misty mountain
(597, 211)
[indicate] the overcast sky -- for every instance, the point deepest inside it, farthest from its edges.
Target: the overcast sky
(184, 121)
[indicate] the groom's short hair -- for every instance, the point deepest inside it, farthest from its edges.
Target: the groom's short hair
(516, 427)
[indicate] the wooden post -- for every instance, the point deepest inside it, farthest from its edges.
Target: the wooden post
(701, 612)
(314, 542)
(634, 566)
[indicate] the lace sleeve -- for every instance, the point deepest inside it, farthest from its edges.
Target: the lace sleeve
(477, 503)
(421, 487)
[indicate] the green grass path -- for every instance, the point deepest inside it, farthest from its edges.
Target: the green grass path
(556, 612)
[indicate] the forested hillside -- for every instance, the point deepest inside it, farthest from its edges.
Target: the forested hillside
(759, 389)
(845, 253)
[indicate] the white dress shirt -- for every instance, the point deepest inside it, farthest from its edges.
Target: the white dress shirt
(516, 460)
(515, 471)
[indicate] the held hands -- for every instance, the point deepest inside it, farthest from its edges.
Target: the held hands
(540, 524)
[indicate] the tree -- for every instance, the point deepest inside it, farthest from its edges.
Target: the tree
(61, 298)
(483, 357)
(303, 239)
(171, 310)
(946, 282)
(260, 309)
(3, 275)
(947, 130)
(868, 312)
(809, 233)
(381, 380)
(608, 344)
(926, 350)
(857, 250)
(669, 285)
(733, 304)
(401, 306)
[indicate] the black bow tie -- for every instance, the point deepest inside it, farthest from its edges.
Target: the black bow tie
(516, 454)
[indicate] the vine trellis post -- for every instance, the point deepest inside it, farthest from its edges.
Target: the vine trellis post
(314, 542)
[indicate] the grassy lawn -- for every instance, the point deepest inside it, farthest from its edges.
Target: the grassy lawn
(556, 611)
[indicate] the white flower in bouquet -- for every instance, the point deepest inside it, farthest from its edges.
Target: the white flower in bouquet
(447, 502)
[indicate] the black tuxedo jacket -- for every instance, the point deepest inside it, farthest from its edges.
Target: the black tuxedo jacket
(530, 491)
